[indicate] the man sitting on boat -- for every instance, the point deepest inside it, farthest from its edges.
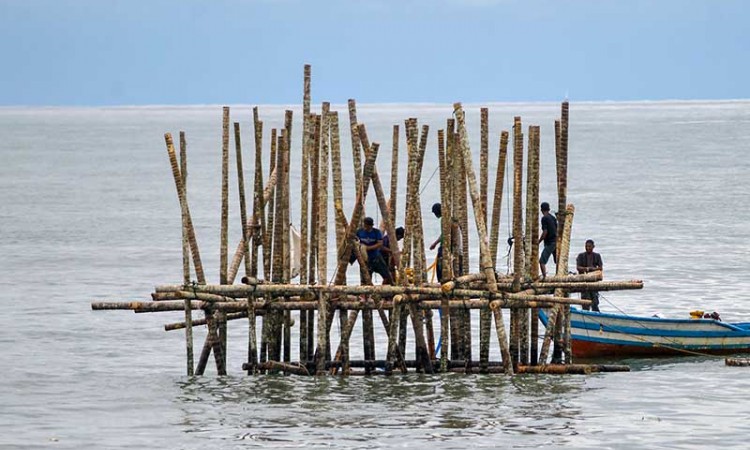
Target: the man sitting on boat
(590, 261)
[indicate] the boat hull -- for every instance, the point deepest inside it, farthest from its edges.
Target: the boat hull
(598, 335)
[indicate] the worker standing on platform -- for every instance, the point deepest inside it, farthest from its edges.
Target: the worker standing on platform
(457, 246)
(590, 261)
(549, 237)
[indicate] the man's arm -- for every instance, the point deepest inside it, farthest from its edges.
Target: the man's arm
(437, 241)
(543, 236)
(375, 246)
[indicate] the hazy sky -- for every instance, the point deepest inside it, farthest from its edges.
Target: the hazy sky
(118, 52)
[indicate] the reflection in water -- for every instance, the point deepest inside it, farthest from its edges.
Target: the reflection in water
(380, 411)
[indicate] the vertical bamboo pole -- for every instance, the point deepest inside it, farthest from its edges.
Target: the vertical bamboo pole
(313, 248)
(322, 194)
(259, 212)
(518, 254)
(356, 153)
(393, 333)
(219, 355)
(517, 205)
(485, 316)
(224, 195)
(246, 234)
(420, 247)
(314, 178)
(484, 159)
(562, 181)
(394, 175)
(420, 260)
(342, 353)
(185, 209)
(424, 359)
(446, 275)
(309, 133)
(411, 149)
(498, 196)
(307, 137)
(454, 159)
(502, 339)
(185, 243)
(275, 319)
(338, 195)
(268, 237)
(320, 357)
(534, 220)
(186, 260)
(286, 213)
(487, 266)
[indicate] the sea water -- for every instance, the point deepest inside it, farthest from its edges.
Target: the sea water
(88, 212)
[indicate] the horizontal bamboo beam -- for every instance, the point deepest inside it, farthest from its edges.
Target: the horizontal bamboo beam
(470, 279)
(242, 291)
(525, 301)
(582, 369)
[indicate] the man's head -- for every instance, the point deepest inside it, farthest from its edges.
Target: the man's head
(368, 223)
(436, 209)
(545, 207)
(589, 246)
(399, 233)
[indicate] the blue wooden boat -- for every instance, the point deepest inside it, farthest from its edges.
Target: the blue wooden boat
(595, 335)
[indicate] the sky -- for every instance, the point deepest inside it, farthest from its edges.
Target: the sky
(159, 52)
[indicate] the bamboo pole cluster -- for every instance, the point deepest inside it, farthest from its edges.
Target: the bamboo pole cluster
(273, 301)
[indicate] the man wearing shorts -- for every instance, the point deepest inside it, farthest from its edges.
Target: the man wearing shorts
(549, 237)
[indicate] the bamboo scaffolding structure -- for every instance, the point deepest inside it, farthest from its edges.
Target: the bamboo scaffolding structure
(276, 300)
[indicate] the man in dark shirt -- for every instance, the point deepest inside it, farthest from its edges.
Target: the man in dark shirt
(590, 261)
(372, 240)
(549, 237)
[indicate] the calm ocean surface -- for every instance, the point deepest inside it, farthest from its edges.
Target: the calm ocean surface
(88, 211)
